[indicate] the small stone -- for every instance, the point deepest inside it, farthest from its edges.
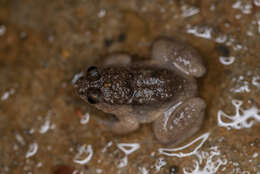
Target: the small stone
(23, 35)
(63, 169)
(122, 37)
(2, 30)
(223, 50)
(108, 42)
(173, 169)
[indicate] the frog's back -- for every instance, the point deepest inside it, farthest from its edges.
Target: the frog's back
(154, 85)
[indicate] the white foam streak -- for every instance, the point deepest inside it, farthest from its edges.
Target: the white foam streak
(257, 3)
(143, 170)
(101, 13)
(245, 8)
(212, 164)
(47, 124)
(84, 150)
(241, 117)
(85, 118)
(189, 11)
(203, 32)
(109, 144)
(168, 113)
(33, 148)
(7, 94)
(174, 151)
(20, 139)
(159, 164)
(76, 77)
(128, 148)
(256, 81)
(123, 162)
(226, 60)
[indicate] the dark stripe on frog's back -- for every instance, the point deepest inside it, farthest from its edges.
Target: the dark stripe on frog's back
(148, 85)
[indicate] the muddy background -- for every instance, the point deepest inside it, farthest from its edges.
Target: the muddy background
(45, 44)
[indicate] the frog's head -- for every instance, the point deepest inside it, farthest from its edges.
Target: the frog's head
(88, 87)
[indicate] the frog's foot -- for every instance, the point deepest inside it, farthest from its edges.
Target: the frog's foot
(122, 126)
(180, 121)
(175, 54)
(117, 59)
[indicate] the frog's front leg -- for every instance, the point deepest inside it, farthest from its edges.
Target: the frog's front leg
(117, 59)
(180, 121)
(124, 125)
(175, 54)
(125, 121)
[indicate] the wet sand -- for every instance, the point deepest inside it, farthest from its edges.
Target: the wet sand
(45, 128)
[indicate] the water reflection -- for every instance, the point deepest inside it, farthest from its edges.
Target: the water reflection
(177, 151)
(243, 118)
(33, 148)
(84, 154)
(127, 149)
(212, 160)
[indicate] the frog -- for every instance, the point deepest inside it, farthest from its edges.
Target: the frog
(161, 90)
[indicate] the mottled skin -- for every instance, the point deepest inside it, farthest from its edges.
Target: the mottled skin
(133, 85)
(162, 90)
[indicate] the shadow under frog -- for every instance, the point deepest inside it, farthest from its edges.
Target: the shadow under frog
(162, 91)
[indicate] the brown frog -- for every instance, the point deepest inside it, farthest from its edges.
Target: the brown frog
(162, 91)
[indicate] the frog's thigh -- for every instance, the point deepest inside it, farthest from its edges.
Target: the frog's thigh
(178, 124)
(117, 59)
(124, 125)
(175, 54)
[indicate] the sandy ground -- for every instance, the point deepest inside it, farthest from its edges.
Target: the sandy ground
(44, 127)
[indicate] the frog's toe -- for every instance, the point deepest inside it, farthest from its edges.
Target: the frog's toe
(180, 121)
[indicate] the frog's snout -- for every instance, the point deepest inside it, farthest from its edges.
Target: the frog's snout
(79, 86)
(76, 87)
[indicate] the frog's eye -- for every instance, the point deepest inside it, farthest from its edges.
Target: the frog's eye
(92, 73)
(94, 95)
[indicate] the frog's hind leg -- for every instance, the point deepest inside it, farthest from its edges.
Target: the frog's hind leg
(175, 54)
(180, 121)
(122, 59)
